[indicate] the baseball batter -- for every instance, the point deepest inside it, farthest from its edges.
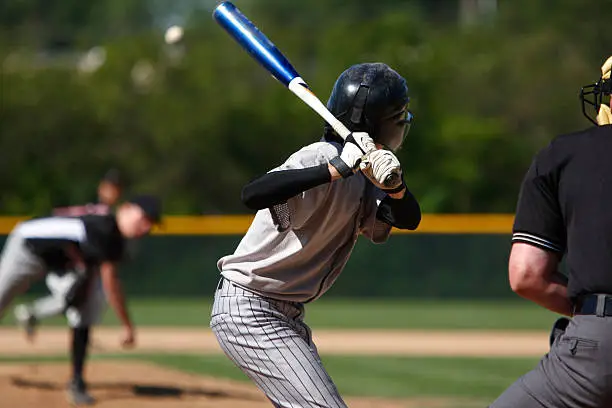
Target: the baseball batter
(311, 210)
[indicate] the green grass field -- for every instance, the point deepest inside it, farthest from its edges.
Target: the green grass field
(397, 377)
(357, 314)
(477, 379)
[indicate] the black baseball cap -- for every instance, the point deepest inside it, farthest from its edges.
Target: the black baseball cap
(151, 206)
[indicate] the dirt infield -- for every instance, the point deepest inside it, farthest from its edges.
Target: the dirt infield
(136, 384)
(363, 342)
(142, 385)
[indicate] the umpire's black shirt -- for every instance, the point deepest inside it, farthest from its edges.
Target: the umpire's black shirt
(565, 206)
(97, 238)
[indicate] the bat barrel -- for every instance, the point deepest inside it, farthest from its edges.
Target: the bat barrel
(254, 42)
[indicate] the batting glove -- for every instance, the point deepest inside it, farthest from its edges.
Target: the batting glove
(356, 146)
(384, 170)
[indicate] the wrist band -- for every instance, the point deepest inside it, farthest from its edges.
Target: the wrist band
(396, 189)
(343, 168)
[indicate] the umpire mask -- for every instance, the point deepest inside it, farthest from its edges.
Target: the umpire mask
(597, 96)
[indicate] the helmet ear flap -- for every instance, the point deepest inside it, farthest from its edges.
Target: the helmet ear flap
(361, 97)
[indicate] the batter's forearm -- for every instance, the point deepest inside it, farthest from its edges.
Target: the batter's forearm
(279, 186)
(403, 213)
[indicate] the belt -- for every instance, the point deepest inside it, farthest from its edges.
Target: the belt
(596, 304)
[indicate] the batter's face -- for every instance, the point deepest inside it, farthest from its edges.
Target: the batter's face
(394, 129)
(108, 193)
(132, 221)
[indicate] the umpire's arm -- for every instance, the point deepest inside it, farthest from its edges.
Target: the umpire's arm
(533, 275)
(539, 239)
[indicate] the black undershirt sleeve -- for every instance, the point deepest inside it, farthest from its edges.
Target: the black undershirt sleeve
(404, 213)
(279, 186)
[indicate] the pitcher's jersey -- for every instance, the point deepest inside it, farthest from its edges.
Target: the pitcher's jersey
(296, 250)
(79, 210)
(96, 237)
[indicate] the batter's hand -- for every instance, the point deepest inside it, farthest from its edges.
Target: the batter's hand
(378, 165)
(128, 339)
(355, 147)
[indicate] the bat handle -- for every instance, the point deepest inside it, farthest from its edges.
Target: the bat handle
(299, 87)
(339, 127)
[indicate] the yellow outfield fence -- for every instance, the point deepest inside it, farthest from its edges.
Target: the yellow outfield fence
(238, 224)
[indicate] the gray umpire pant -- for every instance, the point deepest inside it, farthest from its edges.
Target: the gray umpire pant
(269, 341)
(576, 373)
(19, 268)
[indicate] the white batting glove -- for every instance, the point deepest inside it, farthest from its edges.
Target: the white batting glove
(356, 146)
(383, 169)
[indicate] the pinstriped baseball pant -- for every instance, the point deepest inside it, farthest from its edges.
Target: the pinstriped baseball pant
(269, 341)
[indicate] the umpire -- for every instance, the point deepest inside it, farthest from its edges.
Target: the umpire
(565, 208)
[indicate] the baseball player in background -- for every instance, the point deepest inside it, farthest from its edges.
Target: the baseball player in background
(563, 211)
(311, 210)
(79, 247)
(88, 312)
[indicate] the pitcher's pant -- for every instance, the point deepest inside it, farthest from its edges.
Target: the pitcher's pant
(19, 269)
(269, 341)
(87, 313)
(576, 373)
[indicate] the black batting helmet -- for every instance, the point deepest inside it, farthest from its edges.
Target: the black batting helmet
(372, 98)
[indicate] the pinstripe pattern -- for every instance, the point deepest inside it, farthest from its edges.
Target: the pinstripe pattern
(269, 341)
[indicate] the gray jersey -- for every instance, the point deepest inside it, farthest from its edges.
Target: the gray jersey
(295, 251)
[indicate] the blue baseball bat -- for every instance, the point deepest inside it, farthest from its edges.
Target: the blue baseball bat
(241, 29)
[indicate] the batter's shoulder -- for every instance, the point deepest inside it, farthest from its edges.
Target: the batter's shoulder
(316, 153)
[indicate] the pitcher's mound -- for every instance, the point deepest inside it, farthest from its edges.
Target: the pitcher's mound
(143, 385)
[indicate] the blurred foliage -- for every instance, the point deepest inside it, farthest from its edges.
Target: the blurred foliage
(88, 85)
